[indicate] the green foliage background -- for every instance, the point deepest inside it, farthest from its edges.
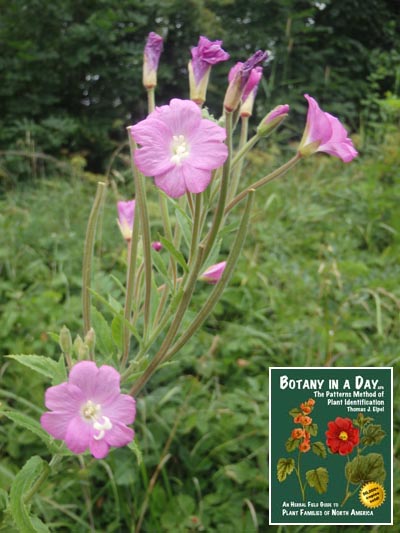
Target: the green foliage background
(71, 70)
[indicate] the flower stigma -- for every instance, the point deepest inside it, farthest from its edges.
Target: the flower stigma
(343, 435)
(91, 413)
(180, 149)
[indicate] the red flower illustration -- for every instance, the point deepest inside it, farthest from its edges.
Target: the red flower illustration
(342, 436)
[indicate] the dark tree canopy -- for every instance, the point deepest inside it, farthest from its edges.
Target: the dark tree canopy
(71, 70)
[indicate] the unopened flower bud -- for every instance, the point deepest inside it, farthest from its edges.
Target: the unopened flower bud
(157, 246)
(272, 120)
(213, 273)
(126, 215)
(152, 52)
(65, 340)
(90, 339)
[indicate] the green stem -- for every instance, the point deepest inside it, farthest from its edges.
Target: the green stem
(88, 255)
(219, 212)
(130, 285)
(176, 322)
(150, 100)
(196, 227)
(299, 477)
(263, 181)
(215, 295)
(244, 149)
(237, 170)
(141, 204)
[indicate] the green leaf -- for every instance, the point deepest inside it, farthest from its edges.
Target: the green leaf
(366, 468)
(292, 444)
(318, 479)
(21, 485)
(162, 269)
(294, 412)
(185, 224)
(43, 365)
(312, 429)
(137, 451)
(284, 468)
(319, 449)
(31, 424)
(176, 254)
(373, 433)
(104, 338)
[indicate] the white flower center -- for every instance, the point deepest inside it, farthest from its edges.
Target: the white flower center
(179, 149)
(91, 412)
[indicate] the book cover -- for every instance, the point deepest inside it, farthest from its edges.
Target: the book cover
(330, 445)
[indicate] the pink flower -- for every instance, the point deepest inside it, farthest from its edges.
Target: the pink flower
(204, 55)
(250, 89)
(152, 52)
(88, 411)
(213, 273)
(179, 148)
(239, 79)
(157, 246)
(126, 215)
(325, 133)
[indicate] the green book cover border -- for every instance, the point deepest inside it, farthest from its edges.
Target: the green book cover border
(298, 385)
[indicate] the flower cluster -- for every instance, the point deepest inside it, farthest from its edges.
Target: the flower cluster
(303, 434)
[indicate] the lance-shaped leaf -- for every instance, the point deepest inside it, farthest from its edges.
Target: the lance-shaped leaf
(284, 468)
(31, 472)
(318, 479)
(366, 468)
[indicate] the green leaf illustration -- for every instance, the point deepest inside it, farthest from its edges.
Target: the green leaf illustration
(295, 411)
(372, 435)
(319, 449)
(366, 468)
(292, 444)
(312, 429)
(284, 468)
(318, 479)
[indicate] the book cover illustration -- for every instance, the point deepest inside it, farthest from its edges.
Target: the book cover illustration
(330, 453)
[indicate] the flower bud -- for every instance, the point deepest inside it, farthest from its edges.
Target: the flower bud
(126, 215)
(213, 273)
(157, 246)
(204, 55)
(272, 120)
(151, 57)
(65, 340)
(90, 339)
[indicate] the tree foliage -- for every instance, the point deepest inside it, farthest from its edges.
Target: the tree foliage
(71, 70)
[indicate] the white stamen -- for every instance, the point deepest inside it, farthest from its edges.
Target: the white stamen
(179, 148)
(91, 412)
(106, 425)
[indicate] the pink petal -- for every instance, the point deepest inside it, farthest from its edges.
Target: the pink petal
(99, 448)
(172, 183)
(122, 409)
(107, 386)
(196, 179)
(182, 116)
(64, 397)
(207, 155)
(84, 375)
(56, 424)
(319, 127)
(78, 435)
(119, 435)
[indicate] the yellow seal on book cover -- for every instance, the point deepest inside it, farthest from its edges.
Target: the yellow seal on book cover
(372, 494)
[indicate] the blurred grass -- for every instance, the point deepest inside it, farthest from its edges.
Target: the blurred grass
(317, 284)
